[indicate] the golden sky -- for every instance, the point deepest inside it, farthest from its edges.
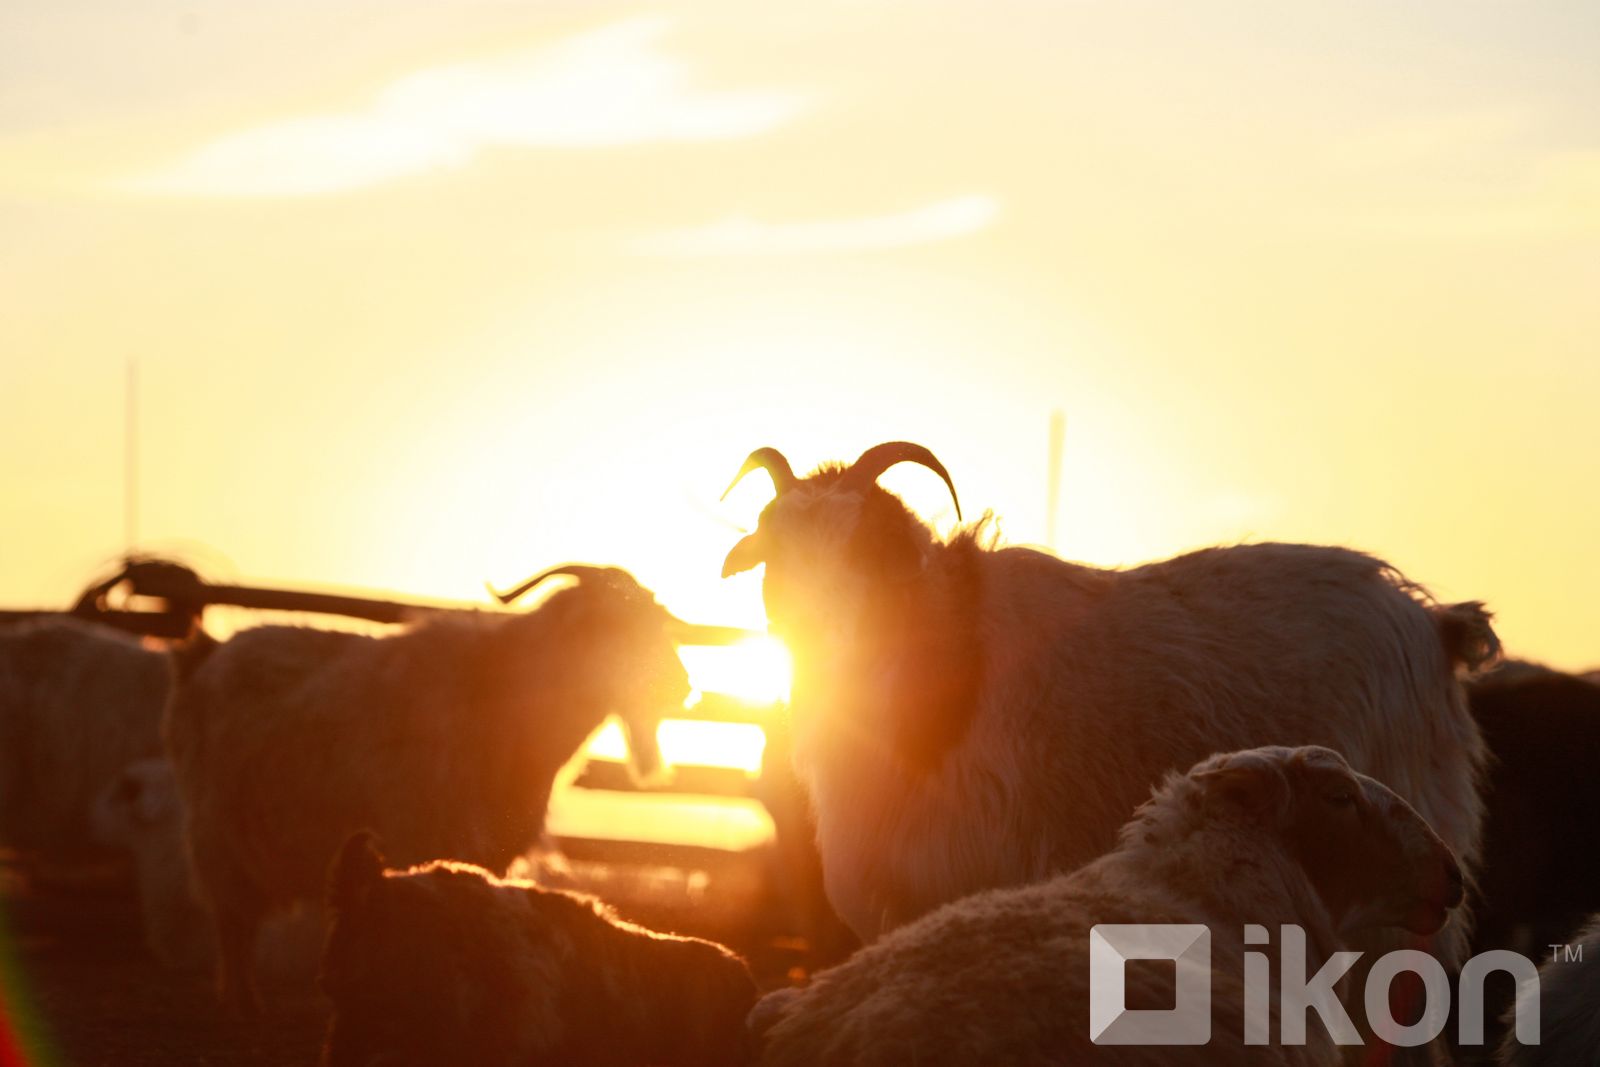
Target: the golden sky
(425, 294)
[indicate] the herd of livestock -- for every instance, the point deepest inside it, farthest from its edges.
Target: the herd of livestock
(1001, 750)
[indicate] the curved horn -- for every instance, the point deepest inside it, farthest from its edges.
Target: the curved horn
(874, 461)
(771, 461)
(580, 571)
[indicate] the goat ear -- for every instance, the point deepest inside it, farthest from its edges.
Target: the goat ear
(358, 868)
(152, 805)
(744, 556)
(1250, 783)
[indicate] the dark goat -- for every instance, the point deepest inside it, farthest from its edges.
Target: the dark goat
(444, 963)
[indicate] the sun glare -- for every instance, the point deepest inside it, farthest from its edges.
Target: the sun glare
(756, 670)
(688, 742)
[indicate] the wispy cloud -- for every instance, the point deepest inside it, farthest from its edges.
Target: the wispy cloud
(612, 86)
(740, 236)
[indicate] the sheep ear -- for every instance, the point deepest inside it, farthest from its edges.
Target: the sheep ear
(1253, 784)
(358, 868)
(743, 556)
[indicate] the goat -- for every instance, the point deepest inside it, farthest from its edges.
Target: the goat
(1569, 1009)
(139, 812)
(445, 963)
(1269, 837)
(78, 702)
(1541, 856)
(445, 738)
(968, 717)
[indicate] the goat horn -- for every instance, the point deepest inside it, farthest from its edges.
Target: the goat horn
(771, 461)
(580, 571)
(874, 461)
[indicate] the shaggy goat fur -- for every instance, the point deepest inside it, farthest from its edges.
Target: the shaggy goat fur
(1541, 854)
(1569, 1011)
(969, 718)
(445, 739)
(445, 963)
(1270, 836)
(78, 702)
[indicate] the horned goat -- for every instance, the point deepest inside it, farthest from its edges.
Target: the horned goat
(969, 717)
(445, 738)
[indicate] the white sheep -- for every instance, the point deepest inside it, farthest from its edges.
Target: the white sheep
(444, 738)
(1569, 1009)
(445, 963)
(78, 702)
(968, 717)
(1267, 837)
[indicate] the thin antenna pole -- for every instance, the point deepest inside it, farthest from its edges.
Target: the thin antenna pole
(130, 458)
(1058, 433)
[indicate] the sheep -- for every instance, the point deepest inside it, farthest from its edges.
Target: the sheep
(445, 963)
(969, 717)
(1541, 869)
(1268, 837)
(445, 738)
(78, 702)
(1569, 1009)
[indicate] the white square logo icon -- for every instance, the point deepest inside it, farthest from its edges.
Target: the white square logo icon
(1187, 1022)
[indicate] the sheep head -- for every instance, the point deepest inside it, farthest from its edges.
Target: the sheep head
(1373, 860)
(634, 640)
(830, 538)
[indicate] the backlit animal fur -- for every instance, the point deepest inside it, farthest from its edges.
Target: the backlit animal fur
(444, 963)
(1270, 836)
(445, 738)
(969, 717)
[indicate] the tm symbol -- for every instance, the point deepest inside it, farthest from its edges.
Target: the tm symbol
(1566, 953)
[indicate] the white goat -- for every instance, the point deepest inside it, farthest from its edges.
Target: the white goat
(139, 811)
(969, 718)
(1270, 836)
(445, 739)
(78, 702)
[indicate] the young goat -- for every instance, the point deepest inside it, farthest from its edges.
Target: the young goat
(444, 963)
(445, 738)
(1270, 836)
